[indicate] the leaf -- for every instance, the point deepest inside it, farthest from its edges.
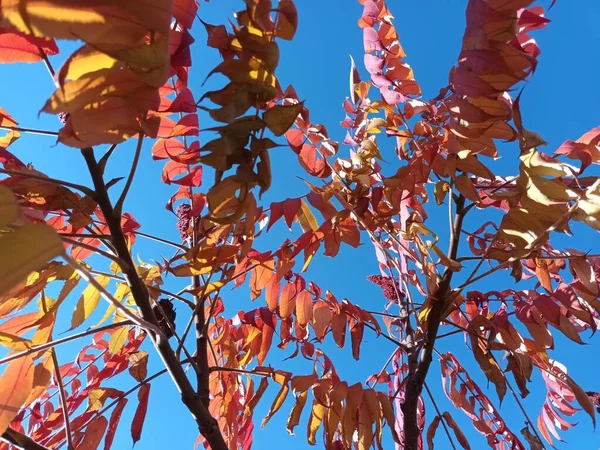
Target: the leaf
(280, 118)
(460, 437)
(117, 340)
(93, 434)
(532, 439)
(583, 399)
(304, 308)
(113, 423)
(322, 315)
(388, 413)
(140, 413)
(21, 47)
(287, 301)
(294, 417)
(287, 20)
(99, 23)
(41, 378)
(13, 393)
(8, 206)
(306, 218)
(88, 302)
(30, 248)
(282, 379)
(433, 426)
(314, 422)
(138, 365)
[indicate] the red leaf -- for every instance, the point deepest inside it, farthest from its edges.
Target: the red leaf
(140, 413)
(187, 126)
(20, 47)
(185, 12)
(113, 423)
(93, 434)
(290, 208)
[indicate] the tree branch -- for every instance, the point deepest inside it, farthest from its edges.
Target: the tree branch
(419, 364)
(207, 425)
(118, 208)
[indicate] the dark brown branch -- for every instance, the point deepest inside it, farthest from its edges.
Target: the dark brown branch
(419, 362)
(207, 425)
(21, 441)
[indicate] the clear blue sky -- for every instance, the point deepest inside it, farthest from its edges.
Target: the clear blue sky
(560, 103)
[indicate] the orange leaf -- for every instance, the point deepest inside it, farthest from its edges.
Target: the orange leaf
(304, 308)
(322, 315)
(287, 301)
(272, 292)
(15, 385)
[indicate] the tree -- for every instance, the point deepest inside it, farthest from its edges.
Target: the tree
(63, 242)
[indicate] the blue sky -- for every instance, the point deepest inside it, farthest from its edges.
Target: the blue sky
(560, 103)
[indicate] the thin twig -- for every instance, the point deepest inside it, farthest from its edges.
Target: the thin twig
(96, 250)
(61, 387)
(17, 173)
(118, 207)
(46, 346)
(29, 130)
(439, 414)
(158, 239)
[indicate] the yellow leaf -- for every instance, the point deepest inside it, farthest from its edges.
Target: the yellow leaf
(26, 250)
(306, 218)
(8, 206)
(117, 340)
(15, 385)
(100, 21)
(88, 302)
(281, 378)
(41, 377)
(314, 422)
(280, 118)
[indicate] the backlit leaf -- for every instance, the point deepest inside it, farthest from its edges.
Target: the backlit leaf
(140, 413)
(88, 302)
(30, 247)
(13, 394)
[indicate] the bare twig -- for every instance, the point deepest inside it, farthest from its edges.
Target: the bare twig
(30, 131)
(61, 387)
(118, 208)
(86, 190)
(439, 414)
(54, 343)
